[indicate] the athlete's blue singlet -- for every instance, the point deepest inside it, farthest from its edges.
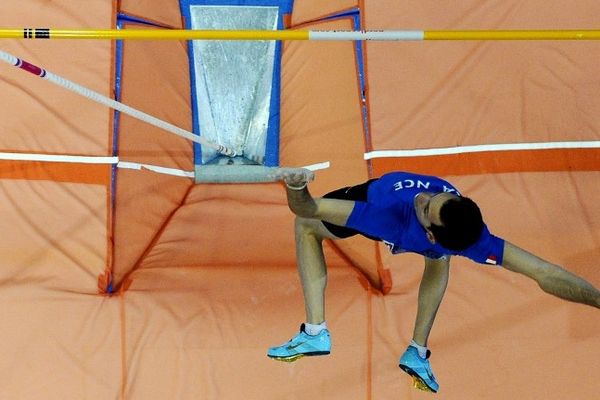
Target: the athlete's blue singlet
(389, 214)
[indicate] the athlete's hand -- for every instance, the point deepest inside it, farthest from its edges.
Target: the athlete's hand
(295, 178)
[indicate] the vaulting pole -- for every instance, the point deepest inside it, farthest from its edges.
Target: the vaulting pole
(99, 98)
(293, 34)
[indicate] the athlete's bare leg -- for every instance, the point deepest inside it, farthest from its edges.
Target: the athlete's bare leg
(312, 269)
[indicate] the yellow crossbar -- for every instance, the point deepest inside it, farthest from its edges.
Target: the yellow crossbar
(292, 34)
(152, 34)
(514, 35)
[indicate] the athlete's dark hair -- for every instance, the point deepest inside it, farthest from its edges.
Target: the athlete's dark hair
(462, 224)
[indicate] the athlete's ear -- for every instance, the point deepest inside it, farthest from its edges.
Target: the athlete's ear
(430, 236)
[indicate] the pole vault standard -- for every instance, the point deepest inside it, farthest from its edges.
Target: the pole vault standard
(99, 98)
(293, 34)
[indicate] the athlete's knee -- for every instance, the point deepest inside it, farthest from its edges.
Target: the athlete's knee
(307, 227)
(303, 225)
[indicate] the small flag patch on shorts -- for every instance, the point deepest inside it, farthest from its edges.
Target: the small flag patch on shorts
(491, 259)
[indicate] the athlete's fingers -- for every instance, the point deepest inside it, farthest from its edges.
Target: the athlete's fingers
(295, 176)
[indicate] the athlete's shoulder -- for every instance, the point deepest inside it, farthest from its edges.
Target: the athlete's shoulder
(487, 250)
(420, 182)
(406, 175)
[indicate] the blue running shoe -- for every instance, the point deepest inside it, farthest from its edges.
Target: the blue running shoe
(419, 369)
(302, 345)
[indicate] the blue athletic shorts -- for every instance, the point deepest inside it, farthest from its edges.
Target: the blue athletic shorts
(355, 193)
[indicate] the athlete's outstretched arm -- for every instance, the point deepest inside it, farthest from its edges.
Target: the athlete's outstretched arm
(431, 292)
(551, 278)
(304, 205)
